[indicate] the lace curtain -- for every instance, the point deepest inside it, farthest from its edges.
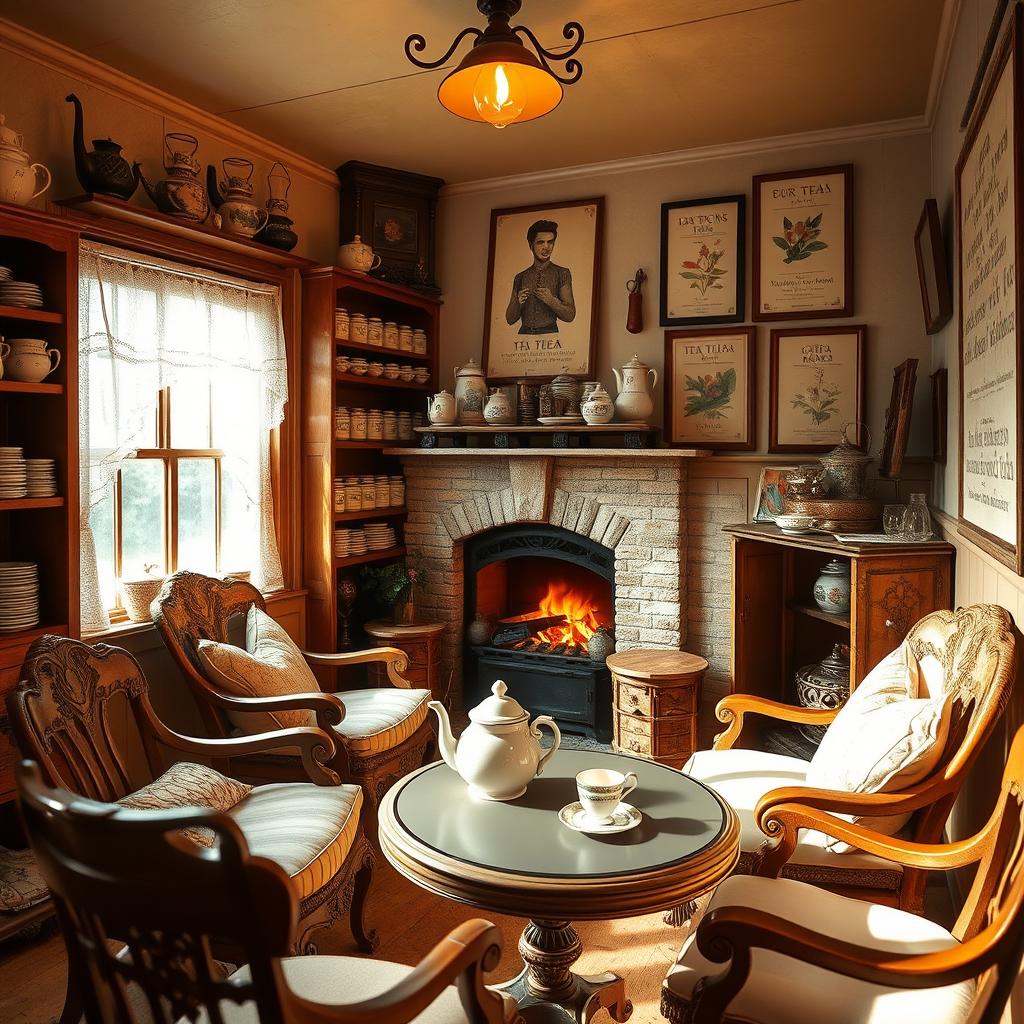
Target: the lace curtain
(146, 324)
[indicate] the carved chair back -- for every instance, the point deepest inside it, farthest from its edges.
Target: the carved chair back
(191, 607)
(82, 712)
(130, 874)
(971, 654)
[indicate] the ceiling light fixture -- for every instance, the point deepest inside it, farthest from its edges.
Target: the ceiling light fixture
(499, 80)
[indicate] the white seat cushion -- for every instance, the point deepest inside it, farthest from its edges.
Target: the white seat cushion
(337, 980)
(741, 777)
(308, 830)
(784, 990)
(380, 719)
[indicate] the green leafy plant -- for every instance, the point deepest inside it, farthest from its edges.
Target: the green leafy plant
(800, 240)
(711, 395)
(391, 583)
(704, 272)
(819, 399)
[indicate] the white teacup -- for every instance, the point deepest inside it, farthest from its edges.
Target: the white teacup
(601, 790)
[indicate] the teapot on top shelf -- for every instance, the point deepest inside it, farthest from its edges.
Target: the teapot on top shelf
(499, 754)
(633, 403)
(358, 257)
(181, 194)
(232, 197)
(102, 169)
(18, 177)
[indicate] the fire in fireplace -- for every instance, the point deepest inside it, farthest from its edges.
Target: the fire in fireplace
(545, 591)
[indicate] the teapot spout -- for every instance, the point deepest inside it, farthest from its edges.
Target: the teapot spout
(137, 171)
(445, 740)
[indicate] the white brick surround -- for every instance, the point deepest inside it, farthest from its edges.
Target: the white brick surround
(632, 502)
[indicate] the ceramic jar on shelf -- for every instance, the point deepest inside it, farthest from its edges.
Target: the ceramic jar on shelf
(358, 328)
(633, 403)
(846, 467)
(470, 393)
(391, 334)
(598, 407)
(832, 587)
(18, 176)
(374, 331)
(356, 256)
(498, 409)
(357, 421)
(30, 360)
(441, 409)
(341, 324)
(419, 341)
(396, 490)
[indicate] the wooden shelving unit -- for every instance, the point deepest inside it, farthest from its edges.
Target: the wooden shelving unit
(43, 420)
(814, 612)
(324, 289)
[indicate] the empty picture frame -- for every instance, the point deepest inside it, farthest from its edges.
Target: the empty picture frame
(936, 296)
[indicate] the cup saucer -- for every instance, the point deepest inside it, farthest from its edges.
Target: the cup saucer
(624, 817)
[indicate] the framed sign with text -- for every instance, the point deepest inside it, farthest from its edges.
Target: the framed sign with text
(709, 388)
(803, 244)
(543, 286)
(816, 387)
(702, 261)
(988, 196)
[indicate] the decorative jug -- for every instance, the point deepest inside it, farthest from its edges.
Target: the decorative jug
(232, 197)
(824, 686)
(18, 177)
(499, 753)
(358, 257)
(441, 409)
(181, 193)
(30, 361)
(470, 392)
(598, 407)
(498, 409)
(102, 169)
(846, 467)
(633, 403)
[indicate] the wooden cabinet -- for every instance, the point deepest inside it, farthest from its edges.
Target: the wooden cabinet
(325, 458)
(777, 627)
(421, 642)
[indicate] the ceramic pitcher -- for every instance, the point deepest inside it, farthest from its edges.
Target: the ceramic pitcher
(19, 179)
(634, 404)
(470, 392)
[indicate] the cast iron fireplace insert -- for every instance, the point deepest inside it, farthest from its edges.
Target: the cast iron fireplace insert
(517, 576)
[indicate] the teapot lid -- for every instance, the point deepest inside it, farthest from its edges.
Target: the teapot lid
(498, 709)
(846, 451)
(471, 368)
(633, 363)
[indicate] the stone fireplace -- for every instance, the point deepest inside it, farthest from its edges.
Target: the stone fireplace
(628, 504)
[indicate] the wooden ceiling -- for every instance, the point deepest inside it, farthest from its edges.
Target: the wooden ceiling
(329, 78)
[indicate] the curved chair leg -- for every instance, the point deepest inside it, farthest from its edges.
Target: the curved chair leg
(367, 939)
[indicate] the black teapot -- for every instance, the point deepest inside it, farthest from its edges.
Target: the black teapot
(101, 170)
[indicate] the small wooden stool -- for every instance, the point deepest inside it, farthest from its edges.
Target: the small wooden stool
(422, 642)
(656, 703)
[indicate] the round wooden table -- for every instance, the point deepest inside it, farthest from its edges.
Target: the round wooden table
(517, 858)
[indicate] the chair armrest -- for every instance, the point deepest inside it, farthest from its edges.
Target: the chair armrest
(462, 957)
(316, 746)
(836, 801)
(729, 933)
(783, 823)
(731, 710)
(395, 662)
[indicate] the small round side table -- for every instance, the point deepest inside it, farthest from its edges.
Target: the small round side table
(656, 703)
(421, 642)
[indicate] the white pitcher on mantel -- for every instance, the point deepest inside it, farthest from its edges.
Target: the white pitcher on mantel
(633, 403)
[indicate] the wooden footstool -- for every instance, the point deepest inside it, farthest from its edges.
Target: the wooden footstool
(657, 698)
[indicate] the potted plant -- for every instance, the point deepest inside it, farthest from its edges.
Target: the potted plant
(394, 586)
(138, 593)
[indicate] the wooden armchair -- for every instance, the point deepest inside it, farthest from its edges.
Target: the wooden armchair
(83, 713)
(796, 954)
(116, 872)
(383, 733)
(969, 654)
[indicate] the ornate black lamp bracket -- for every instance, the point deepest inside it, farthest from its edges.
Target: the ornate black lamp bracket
(498, 13)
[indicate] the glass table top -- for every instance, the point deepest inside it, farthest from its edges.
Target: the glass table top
(681, 817)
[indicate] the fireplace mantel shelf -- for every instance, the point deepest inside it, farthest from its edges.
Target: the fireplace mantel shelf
(561, 453)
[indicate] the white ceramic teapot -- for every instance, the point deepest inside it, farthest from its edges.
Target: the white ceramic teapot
(633, 403)
(470, 392)
(499, 754)
(441, 408)
(18, 177)
(358, 257)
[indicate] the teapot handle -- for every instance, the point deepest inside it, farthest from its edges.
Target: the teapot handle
(375, 262)
(654, 383)
(37, 168)
(535, 733)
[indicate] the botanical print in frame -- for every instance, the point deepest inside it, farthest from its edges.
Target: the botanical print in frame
(771, 489)
(543, 286)
(803, 244)
(702, 261)
(710, 385)
(816, 386)
(991, 247)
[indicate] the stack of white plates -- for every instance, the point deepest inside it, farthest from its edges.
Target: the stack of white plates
(19, 596)
(357, 542)
(42, 477)
(379, 536)
(341, 543)
(13, 474)
(5, 274)
(21, 293)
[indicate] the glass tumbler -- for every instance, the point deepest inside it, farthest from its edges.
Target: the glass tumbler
(893, 517)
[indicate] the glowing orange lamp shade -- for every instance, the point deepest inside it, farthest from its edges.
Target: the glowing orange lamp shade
(500, 83)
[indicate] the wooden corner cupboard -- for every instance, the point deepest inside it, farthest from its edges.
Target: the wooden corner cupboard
(776, 626)
(325, 458)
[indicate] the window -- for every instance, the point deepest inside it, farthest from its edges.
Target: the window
(183, 380)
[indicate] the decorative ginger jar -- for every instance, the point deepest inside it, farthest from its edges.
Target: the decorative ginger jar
(832, 587)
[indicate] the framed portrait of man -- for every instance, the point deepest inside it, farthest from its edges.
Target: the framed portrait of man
(543, 286)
